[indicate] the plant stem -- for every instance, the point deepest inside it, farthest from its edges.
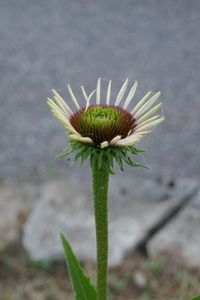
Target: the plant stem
(100, 196)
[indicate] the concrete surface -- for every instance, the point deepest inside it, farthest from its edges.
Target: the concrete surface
(180, 236)
(134, 213)
(45, 44)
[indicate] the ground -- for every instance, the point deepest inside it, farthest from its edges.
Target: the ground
(138, 278)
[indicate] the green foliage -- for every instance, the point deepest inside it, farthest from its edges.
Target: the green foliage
(83, 288)
(42, 265)
(51, 296)
(196, 298)
(156, 267)
(104, 158)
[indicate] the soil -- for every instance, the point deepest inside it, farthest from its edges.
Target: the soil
(139, 278)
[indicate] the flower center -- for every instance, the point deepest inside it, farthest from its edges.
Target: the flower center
(102, 122)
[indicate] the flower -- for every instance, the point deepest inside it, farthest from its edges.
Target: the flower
(106, 124)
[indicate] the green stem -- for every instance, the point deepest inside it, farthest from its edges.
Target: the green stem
(100, 196)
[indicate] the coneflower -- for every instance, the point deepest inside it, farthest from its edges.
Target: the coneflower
(104, 131)
(105, 123)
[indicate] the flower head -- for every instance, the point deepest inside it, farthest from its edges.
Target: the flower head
(107, 124)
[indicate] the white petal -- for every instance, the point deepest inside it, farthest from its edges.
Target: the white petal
(104, 144)
(146, 132)
(87, 98)
(61, 106)
(121, 93)
(55, 107)
(62, 119)
(130, 95)
(84, 93)
(98, 91)
(79, 138)
(73, 96)
(66, 125)
(147, 105)
(90, 95)
(140, 124)
(131, 139)
(128, 141)
(140, 134)
(115, 139)
(140, 103)
(150, 113)
(150, 125)
(63, 102)
(108, 93)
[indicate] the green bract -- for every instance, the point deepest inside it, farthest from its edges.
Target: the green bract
(105, 158)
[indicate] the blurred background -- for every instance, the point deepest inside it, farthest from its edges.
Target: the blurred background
(47, 44)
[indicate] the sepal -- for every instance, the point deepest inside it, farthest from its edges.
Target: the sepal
(104, 157)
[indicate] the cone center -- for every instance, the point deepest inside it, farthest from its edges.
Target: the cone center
(102, 122)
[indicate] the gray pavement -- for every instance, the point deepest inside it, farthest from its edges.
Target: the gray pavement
(45, 44)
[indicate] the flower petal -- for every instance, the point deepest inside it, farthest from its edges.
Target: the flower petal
(54, 106)
(150, 125)
(73, 96)
(121, 93)
(140, 124)
(79, 138)
(147, 105)
(104, 144)
(140, 103)
(115, 139)
(108, 93)
(56, 95)
(130, 95)
(149, 113)
(60, 105)
(128, 141)
(87, 98)
(98, 94)
(84, 93)
(60, 116)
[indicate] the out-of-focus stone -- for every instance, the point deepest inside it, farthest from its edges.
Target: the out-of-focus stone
(15, 204)
(139, 280)
(181, 235)
(135, 209)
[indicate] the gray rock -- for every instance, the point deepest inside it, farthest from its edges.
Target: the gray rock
(15, 205)
(181, 235)
(139, 279)
(135, 209)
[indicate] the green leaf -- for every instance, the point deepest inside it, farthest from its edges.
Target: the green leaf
(83, 288)
(196, 298)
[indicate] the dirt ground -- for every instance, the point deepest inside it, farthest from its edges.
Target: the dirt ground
(137, 278)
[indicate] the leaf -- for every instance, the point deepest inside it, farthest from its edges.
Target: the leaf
(83, 288)
(196, 298)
